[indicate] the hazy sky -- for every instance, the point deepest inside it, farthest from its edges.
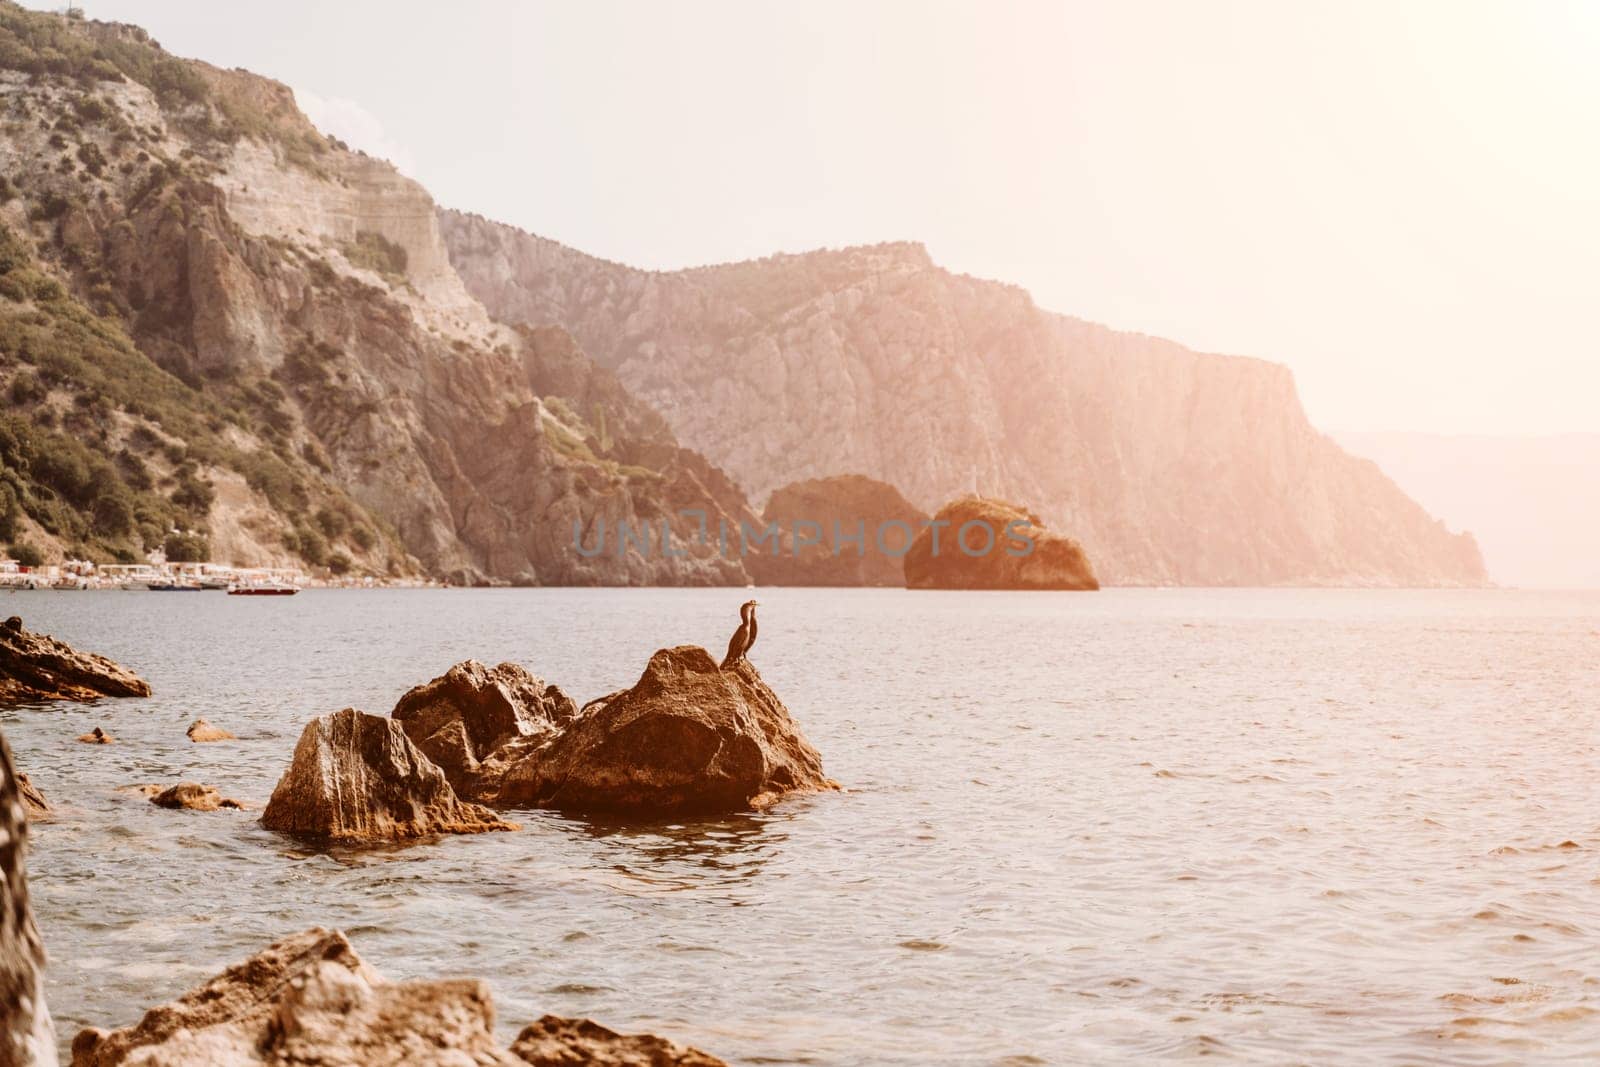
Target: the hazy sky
(1400, 200)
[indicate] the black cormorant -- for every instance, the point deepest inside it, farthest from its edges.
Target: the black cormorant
(743, 637)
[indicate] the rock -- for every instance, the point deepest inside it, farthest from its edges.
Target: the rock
(32, 799)
(97, 736)
(687, 737)
(460, 717)
(27, 1037)
(307, 1001)
(813, 510)
(194, 797)
(985, 544)
(357, 777)
(37, 667)
(146, 790)
(200, 730)
(557, 1042)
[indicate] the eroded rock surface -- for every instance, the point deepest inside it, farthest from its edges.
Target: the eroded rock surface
(989, 544)
(687, 737)
(462, 716)
(37, 667)
(557, 1042)
(357, 777)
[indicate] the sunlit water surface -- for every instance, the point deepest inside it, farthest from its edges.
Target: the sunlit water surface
(1271, 827)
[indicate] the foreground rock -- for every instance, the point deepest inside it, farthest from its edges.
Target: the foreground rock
(202, 731)
(37, 667)
(26, 1035)
(311, 1001)
(194, 797)
(357, 778)
(557, 1042)
(459, 718)
(687, 737)
(977, 543)
(819, 517)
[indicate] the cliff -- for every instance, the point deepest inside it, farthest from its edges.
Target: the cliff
(312, 380)
(1171, 466)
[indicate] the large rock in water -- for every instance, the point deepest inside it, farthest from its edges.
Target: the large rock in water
(27, 1038)
(807, 513)
(687, 737)
(36, 667)
(977, 543)
(357, 777)
(311, 1001)
(459, 718)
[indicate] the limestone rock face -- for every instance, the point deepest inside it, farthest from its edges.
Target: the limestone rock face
(357, 778)
(37, 667)
(194, 797)
(819, 509)
(460, 717)
(989, 544)
(1172, 466)
(27, 1037)
(557, 1042)
(687, 737)
(307, 1001)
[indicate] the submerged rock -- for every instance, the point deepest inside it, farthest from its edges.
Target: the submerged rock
(557, 1042)
(471, 710)
(37, 667)
(357, 777)
(976, 543)
(307, 1000)
(97, 736)
(200, 731)
(687, 737)
(194, 797)
(26, 1034)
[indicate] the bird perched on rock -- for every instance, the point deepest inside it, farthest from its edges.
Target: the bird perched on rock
(743, 637)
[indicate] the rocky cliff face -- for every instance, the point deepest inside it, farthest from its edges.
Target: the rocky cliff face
(1170, 466)
(320, 367)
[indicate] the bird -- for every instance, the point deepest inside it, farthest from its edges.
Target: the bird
(743, 637)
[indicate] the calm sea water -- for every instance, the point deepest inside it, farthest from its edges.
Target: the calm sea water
(1265, 826)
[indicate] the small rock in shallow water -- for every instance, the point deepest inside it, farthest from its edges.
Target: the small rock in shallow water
(194, 797)
(200, 730)
(557, 1042)
(97, 736)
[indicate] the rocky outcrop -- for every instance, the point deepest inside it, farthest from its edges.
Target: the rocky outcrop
(357, 778)
(848, 530)
(687, 737)
(33, 801)
(37, 667)
(309, 1001)
(193, 796)
(27, 1037)
(1172, 466)
(974, 543)
(557, 1042)
(200, 731)
(459, 718)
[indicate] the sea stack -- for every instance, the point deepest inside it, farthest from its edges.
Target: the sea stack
(977, 543)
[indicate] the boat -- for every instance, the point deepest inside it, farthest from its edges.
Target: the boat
(269, 587)
(172, 585)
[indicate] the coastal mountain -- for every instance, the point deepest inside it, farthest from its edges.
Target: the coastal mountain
(1169, 466)
(224, 333)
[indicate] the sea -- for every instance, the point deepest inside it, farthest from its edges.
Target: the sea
(1132, 826)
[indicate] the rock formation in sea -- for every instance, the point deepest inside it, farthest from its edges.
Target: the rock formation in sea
(976, 543)
(310, 1001)
(37, 667)
(1171, 466)
(27, 1038)
(357, 778)
(97, 736)
(33, 800)
(193, 796)
(687, 737)
(200, 731)
(471, 710)
(848, 530)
